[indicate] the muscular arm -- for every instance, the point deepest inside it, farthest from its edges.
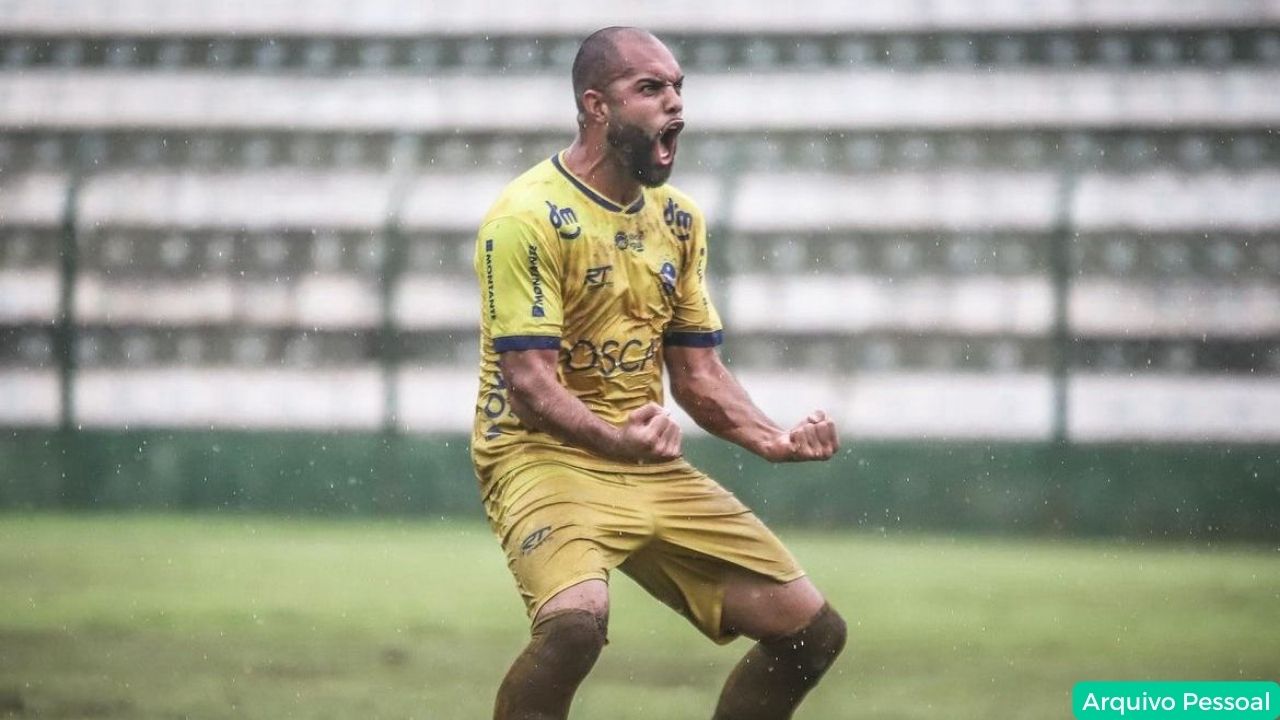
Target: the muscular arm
(542, 403)
(712, 396)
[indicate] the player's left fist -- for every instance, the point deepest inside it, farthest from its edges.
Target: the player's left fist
(813, 438)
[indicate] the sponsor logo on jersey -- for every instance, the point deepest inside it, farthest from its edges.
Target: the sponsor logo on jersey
(635, 241)
(598, 277)
(667, 276)
(680, 222)
(494, 406)
(490, 294)
(564, 220)
(610, 357)
(535, 279)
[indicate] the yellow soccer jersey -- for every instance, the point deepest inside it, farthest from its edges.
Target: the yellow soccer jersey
(562, 267)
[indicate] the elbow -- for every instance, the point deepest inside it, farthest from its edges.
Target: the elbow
(682, 395)
(686, 392)
(521, 396)
(528, 375)
(523, 411)
(679, 389)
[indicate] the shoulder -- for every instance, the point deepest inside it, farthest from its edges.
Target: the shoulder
(681, 197)
(679, 211)
(526, 199)
(678, 200)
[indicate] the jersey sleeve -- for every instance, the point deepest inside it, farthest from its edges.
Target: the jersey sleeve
(519, 271)
(695, 322)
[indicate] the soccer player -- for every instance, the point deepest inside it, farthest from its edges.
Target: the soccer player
(592, 279)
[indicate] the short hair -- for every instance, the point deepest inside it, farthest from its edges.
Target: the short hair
(598, 61)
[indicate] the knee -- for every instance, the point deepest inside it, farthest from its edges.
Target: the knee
(832, 631)
(571, 639)
(542, 681)
(817, 645)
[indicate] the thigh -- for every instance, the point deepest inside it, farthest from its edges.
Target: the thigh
(590, 595)
(761, 607)
(700, 518)
(560, 526)
(714, 561)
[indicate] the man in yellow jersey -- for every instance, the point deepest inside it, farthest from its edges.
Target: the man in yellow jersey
(592, 278)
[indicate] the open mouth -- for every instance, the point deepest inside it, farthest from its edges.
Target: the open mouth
(665, 145)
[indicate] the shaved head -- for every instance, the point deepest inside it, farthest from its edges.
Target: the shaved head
(627, 86)
(599, 61)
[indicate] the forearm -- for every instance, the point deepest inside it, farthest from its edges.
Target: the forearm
(711, 395)
(544, 404)
(720, 405)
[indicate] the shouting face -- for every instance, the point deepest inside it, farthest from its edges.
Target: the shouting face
(645, 113)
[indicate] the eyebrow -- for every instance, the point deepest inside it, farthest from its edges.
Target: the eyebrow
(655, 78)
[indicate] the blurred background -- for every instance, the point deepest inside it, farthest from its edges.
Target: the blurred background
(1026, 253)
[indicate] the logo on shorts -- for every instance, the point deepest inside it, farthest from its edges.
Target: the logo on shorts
(534, 539)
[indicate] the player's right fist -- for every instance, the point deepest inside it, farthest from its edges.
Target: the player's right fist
(649, 435)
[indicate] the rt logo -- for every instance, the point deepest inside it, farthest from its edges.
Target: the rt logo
(681, 222)
(534, 539)
(598, 277)
(564, 220)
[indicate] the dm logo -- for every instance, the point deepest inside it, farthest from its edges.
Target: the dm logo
(667, 276)
(680, 222)
(564, 220)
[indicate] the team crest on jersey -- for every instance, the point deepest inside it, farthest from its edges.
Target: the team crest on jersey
(564, 220)
(667, 276)
(634, 240)
(680, 222)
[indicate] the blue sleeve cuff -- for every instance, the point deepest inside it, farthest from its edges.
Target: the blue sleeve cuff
(525, 342)
(681, 338)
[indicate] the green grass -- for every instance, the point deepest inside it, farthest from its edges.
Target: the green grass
(254, 617)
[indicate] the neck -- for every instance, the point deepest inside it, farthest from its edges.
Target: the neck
(592, 162)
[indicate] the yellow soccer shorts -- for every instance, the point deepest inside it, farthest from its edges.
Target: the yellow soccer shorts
(677, 533)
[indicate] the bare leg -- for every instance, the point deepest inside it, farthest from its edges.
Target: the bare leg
(567, 637)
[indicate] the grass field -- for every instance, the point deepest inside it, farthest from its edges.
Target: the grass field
(253, 617)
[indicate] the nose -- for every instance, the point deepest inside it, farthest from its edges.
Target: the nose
(673, 103)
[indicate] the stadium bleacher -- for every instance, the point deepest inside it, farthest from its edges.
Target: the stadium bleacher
(271, 206)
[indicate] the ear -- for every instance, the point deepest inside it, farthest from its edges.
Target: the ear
(595, 108)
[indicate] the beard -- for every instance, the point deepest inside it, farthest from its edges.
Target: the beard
(634, 149)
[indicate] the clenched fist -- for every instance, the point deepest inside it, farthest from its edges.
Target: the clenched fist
(649, 435)
(813, 438)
